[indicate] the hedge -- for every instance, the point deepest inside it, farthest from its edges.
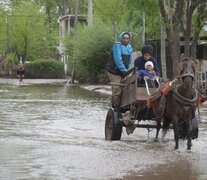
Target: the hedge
(44, 69)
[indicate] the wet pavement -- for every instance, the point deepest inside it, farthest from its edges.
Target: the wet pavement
(57, 132)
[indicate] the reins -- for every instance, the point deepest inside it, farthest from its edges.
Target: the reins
(147, 87)
(183, 100)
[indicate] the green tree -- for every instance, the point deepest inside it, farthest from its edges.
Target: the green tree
(127, 16)
(10, 63)
(50, 10)
(56, 8)
(178, 19)
(91, 52)
(111, 12)
(26, 27)
(134, 13)
(181, 18)
(3, 31)
(29, 36)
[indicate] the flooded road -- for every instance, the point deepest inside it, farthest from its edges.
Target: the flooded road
(57, 132)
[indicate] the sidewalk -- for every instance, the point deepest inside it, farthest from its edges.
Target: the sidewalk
(33, 81)
(104, 89)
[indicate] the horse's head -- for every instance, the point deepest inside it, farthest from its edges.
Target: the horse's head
(187, 73)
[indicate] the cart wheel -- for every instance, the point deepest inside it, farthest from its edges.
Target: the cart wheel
(113, 126)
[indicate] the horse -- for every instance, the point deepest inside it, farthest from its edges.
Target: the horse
(178, 105)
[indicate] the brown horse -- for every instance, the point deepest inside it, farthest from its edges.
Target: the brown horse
(178, 106)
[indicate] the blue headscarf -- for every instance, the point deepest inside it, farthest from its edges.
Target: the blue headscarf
(122, 34)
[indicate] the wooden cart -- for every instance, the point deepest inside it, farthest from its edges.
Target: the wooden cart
(133, 110)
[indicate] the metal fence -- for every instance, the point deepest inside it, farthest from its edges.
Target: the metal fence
(201, 79)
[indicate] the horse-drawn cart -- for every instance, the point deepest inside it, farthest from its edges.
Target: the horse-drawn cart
(173, 103)
(134, 109)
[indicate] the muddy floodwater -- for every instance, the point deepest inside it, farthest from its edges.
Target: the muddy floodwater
(55, 132)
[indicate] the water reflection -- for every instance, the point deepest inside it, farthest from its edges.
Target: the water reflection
(57, 132)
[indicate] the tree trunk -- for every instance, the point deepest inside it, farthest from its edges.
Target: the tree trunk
(143, 28)
(173, 53)
(90, 12)
(170, 17)
(190, 8)
(202, 14)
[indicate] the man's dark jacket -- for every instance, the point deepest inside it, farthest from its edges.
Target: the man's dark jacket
(140, 62)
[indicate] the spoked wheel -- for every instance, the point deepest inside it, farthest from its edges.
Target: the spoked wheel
(113, 126)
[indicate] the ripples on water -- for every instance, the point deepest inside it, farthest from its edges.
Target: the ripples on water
(50, 109)
(57, 132)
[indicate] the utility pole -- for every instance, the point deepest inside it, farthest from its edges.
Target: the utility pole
(90, 12)
(7, 34)
(143, 28)
(163, 49)
(74, 40)
(114, 29)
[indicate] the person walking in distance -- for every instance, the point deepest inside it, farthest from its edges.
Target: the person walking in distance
(20, 72)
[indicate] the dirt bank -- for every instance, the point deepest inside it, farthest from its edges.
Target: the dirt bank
(105, 89)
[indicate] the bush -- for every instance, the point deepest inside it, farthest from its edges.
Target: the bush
(92, 51)
(10, 64)
(44, 69)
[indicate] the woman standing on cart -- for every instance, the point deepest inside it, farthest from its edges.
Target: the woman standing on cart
(118, 66)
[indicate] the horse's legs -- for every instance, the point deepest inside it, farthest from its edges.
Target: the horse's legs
(164, 132)
(158, 130)
(189, 144)
(189, 130)
(165, 127)
(159, 114)
(175, 127)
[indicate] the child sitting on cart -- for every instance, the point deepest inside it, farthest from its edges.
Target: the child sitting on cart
(148, 75)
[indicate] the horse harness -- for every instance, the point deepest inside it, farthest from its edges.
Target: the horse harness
(184, 101)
